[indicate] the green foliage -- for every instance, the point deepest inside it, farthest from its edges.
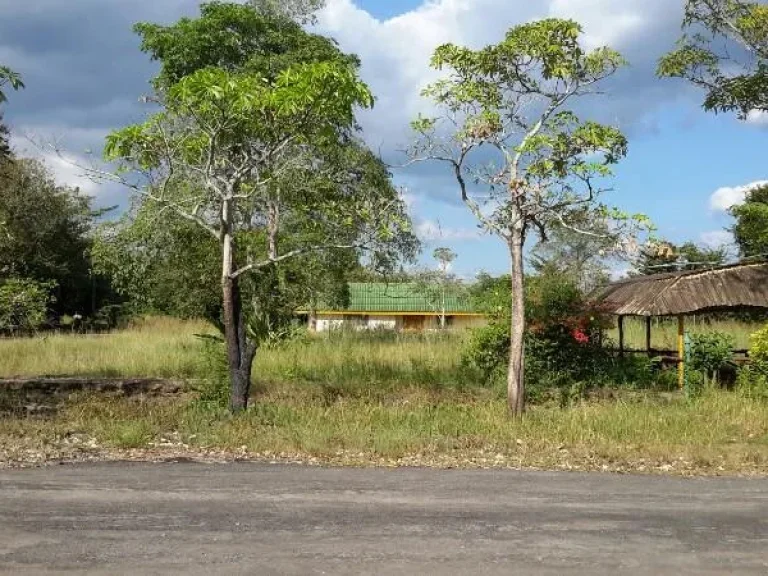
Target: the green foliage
(5, 147)
(171, 269)
(724, 51)
(663, 256)
(752, 381)
(235, 38)
(751, 228)
(24, 304)
(45, 236)
(213, 381)
(301, 11)
(582, 258)
(753, 378)
(759, 349)
(9, 78)
(710, 353)
(564, 341)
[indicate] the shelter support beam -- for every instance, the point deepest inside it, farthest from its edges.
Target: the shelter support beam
(648, 336)
(621, 336)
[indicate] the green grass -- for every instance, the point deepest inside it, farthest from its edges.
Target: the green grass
(375, 400)
(167, 348)
(153, 347)
(717, 433)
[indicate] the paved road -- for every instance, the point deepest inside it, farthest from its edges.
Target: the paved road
(261, 519)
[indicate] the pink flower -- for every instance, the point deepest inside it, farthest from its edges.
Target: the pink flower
(580, 336)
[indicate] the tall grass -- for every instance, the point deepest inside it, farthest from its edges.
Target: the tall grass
(719, 432)
(167, 348)
(151, 347)
(372, 399)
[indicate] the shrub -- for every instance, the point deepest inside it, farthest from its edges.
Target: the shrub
(213, 387)
(563, 344)
(758, 351)
(24, 304)
(710, 353)
(753, 379)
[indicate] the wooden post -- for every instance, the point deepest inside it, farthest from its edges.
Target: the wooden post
(681, 351)
(621, 336)
(648, 335)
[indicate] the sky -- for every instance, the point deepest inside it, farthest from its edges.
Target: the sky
(85, 76)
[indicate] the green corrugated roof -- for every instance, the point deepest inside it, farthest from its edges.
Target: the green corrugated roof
(402, 297)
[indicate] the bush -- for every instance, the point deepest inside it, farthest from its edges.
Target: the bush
(758, 351)
(563, 344)
(710, 353)
(24, 304)
(753, 379)
(213, 388)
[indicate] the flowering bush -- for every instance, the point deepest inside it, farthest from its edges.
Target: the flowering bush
(563, 341)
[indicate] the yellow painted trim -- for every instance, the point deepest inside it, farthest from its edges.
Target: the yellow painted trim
(426, 314)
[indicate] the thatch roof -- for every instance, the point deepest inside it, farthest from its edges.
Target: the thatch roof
(672, 294)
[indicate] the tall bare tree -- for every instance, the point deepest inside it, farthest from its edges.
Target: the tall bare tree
(522, 159)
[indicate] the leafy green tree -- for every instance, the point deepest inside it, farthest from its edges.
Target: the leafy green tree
(724, 51)
(229, 152)
(7, 78)
(11, 79)
(23, 304)
(664, 256)
(235, 38)
(45, 234)
(301, 11)
(169, 268)
(522, 159)
(582, 258)
(439, 285)
(751, 228)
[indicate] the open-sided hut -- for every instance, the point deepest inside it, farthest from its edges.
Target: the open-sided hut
(735, 287)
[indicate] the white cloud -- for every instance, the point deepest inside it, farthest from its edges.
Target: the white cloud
(728, 196)
(716, 238)
(431, 231)
(758, 118)
(67, 157)
(395, 53)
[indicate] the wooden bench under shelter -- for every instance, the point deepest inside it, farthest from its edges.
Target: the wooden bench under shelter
(731, 288)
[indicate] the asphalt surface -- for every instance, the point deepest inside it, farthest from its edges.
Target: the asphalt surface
(273, 519)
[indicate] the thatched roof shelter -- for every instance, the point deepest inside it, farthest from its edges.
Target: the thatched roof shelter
(682, 293)
(739, 286)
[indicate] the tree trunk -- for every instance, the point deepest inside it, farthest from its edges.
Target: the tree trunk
(240, 352)
(516, 373)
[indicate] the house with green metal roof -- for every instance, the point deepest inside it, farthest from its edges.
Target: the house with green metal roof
(396, 306)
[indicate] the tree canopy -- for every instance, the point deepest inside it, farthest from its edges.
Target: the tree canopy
(663, 256)
(724, 50)
(45, 234)
(751, 228)
(234, 38)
